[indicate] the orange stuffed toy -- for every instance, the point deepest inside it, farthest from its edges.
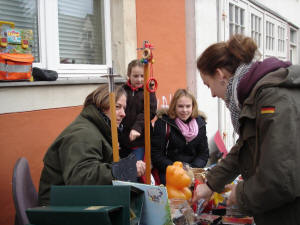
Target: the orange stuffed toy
(178, 182)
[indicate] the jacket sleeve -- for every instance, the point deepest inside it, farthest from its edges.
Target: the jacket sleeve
(203, 152)
(158, 146)
(83, 163)
(225, 171)
(139, 123)
(276, 176)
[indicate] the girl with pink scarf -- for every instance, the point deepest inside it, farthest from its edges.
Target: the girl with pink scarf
(179, 134)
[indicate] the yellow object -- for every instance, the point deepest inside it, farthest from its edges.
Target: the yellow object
(114, 132)
(217, 198)
(24, 44)
(3, 42)
(178, 182)
(11, 24)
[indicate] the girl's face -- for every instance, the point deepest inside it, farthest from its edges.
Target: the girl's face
(184, 108)
(137, 76)
(217, 83)
(120, 109)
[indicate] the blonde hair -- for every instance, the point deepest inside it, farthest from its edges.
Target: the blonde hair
(178, 94)
(100, 97)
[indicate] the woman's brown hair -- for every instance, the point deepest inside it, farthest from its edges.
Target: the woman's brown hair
(132, 64)
(228, 55)
(100, 97)
(178, 94)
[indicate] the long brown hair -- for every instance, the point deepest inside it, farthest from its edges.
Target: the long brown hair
(178, 94)
(100, 97)
(228, 55)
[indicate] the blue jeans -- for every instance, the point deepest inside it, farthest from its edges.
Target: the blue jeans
(139, 153)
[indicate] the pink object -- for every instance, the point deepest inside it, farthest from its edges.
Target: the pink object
(220, 144)
(188, 130)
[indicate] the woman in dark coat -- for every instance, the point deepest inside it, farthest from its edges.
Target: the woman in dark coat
(82, 153)
(179, 135)
(264, 102)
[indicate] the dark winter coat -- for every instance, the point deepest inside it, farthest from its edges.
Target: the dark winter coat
(134, 118)
(80, 155)
(167, 149)
(267, 153)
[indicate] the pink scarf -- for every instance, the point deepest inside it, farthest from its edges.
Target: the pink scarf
(188, 130)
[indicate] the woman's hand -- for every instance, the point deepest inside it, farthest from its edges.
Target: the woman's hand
(141, 168)
(202, 192)
(133, 135)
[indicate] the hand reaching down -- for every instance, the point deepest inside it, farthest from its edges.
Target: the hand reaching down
(133, 135)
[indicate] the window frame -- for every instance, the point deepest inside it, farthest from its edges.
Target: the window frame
(265, 15)
(49, 44)
(240, 5)
(269, 19)
(258, 13)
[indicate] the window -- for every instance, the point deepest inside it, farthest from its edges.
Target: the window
(24, 15)
(81, 32)
(281, 37)
(236, 20)
(71, 37)
(293, 36)
(270, 36)
(293, 55)
(256, 31)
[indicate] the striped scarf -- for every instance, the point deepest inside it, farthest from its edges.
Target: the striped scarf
(231, 99)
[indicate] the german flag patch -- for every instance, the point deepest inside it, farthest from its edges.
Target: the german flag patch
(267, 109)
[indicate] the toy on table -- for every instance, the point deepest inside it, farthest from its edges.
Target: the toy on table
(178, 182)
(14, 40)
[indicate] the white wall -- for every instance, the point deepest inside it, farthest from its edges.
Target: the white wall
(206, 34)
(22, 98)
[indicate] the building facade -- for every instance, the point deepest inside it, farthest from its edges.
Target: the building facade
(82, 39)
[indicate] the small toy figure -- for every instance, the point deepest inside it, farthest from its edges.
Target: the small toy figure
(178, 182)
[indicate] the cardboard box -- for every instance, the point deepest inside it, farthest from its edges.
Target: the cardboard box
(15, 40)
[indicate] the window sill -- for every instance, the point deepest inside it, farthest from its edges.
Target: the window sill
(58, 82)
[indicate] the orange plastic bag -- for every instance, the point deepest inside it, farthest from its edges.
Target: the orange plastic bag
(15, 66)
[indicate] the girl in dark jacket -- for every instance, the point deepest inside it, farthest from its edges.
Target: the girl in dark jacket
(179, 135)
(132, 136)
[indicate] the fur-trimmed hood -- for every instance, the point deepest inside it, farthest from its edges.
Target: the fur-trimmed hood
(163, 111)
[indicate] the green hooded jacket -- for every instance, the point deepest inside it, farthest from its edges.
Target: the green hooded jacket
(80, 155)
(267, 154)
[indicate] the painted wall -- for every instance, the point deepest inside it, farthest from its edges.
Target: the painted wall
(27, 134)
(30, 133)
(206, 34)
(162, 23)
